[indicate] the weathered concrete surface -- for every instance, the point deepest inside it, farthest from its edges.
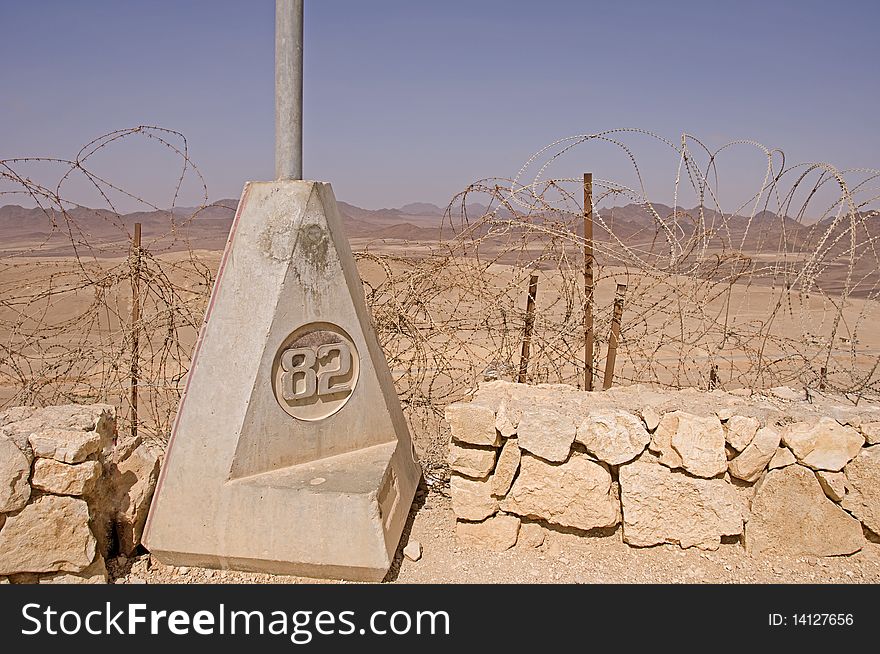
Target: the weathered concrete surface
(791, 516)
(246, 484)
(664, 506)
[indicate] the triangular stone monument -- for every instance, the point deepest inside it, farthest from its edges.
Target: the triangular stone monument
(290, 453)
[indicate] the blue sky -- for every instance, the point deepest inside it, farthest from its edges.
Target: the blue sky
(410, 101)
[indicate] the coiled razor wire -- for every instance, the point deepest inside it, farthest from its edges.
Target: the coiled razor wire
(779, 290)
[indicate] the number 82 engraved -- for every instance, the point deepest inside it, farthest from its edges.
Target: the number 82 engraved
(300, 363)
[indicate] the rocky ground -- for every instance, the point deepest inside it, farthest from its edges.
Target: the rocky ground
(561, 558)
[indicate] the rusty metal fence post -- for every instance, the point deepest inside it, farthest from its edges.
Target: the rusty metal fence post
(589, 338)
(614, 338)
(135, 322)
(527, 330)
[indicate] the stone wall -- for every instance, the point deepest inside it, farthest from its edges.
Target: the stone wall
(72, 493)
(779, 472)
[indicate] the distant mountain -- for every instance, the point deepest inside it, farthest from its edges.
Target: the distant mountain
(421, 209)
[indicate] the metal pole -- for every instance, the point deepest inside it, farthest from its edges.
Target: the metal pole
(588, 282)
(527, 332)
(288, 88)
(614, 339)
(135, 323)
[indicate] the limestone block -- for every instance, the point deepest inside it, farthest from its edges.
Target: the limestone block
(94, 574)
(21, 422)
(650, 417)
(473, 422)
(545, 432)
(51, 534)
(752, 461)
(65, 479)
(132, 476)
(498, 533)
(782, 458)
(14, 472)
(661, 441)
(823, 445)
(413, 550)
(507, 418)
(740, 430)
(471, 461)
(575, 494)
(472, 499)
(614, 436)
(664, 506)
(65, 445)
(834, 484)
(863, 498)
(699, 443)
(531, 534)
(791, 516)
(506, 468)
(871, 432)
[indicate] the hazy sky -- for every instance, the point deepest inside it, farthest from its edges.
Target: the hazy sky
(411, 100)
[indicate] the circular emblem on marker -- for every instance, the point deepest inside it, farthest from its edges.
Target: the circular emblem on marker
(315, 371)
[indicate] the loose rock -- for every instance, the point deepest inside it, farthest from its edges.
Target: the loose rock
(650, 417)
(413, 550)
(498, 533)
(782, 458)
(833, 483)
(699, 442)
(65, 445)
(661, 441)
(507, 418)
(531, 534)
(871, 432)
(132, 482)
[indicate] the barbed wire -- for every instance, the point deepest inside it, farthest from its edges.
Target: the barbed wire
(781, 290)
